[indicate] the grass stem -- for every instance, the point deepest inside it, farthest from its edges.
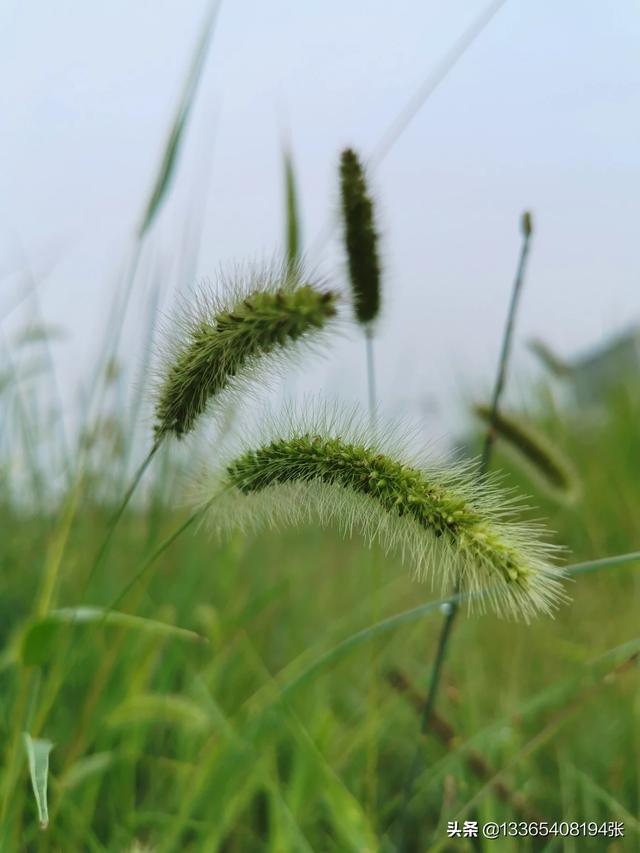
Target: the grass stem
(453, 606)
(104, 547)
(371, 377)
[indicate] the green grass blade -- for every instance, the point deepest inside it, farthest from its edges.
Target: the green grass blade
(87, 768)
(293, 232)
(38, 643)
(38, 757)
(172, 147)
(160, 708)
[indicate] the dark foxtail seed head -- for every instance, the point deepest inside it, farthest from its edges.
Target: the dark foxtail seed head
(549, 358)
(553, 472)
(527, 224)
(225, 341)
(360, 237)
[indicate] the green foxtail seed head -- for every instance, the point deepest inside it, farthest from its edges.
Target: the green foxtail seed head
(546, 463)
(527, 224)
(360, 237)
(442, 520)
(549, 358)
(223, 339)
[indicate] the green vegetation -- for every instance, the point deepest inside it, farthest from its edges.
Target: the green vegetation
(443, 522)
(231, 702)
(163, 689)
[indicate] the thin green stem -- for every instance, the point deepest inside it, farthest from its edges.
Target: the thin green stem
(371, 377)
(453, 605)
(603, 562)
(170, 539)
(408, 112)
(102, 551)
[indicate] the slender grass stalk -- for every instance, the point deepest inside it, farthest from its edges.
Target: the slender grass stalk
(434, 80)
(371, 378)
(117, 515)
(361, 245)
(452, 608)
(174, 139)
(160, 187)
(150, 560)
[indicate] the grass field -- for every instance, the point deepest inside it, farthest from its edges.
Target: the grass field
(267, 722)
(264, 693)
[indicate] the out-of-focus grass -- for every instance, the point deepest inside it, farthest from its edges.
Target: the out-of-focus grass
(192, 745)
(195, 739)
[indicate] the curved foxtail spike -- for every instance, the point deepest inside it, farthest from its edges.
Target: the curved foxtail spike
(360, 237)
(546, 463)
(442, 521)
(550, 359)
(224, 339)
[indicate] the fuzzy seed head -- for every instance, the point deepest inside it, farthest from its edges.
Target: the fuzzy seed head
(549, 358)
(527, 224)
(360, 237)
(223, 340)
(547, 464)
(442, 520)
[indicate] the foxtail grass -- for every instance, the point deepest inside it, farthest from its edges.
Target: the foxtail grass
(545, 462)
(443, 522)
(550, 359)
(223, 340)
(360, 238)
(361, 246)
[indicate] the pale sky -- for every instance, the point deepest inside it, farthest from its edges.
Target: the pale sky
(542, 112)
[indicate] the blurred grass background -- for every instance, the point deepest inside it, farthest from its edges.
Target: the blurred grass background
(197, 740)
(238, 700)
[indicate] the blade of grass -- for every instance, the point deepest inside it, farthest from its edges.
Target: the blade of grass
(185, 105)
(38, 643)
(38, 757)
(447, 626)
(431, 83)
(161, 183)
(292, 234)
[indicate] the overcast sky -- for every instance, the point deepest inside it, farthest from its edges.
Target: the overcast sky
(542, 112)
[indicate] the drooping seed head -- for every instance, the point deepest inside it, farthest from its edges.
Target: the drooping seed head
(549, 358)
(443, 521)
(224, 339)
(545, 462)
(360, 237)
